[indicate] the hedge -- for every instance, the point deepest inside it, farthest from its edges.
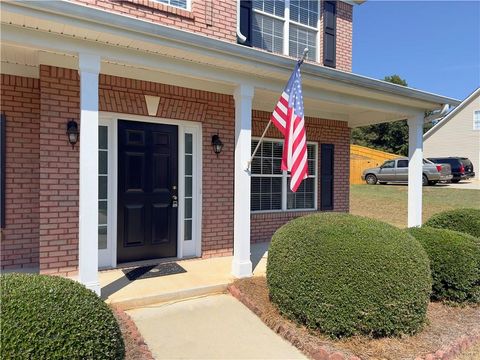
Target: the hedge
(347, 275)
(49, 317)
(463, 220)
(455, 263)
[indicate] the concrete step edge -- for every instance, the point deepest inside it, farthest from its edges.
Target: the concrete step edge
(142, 301)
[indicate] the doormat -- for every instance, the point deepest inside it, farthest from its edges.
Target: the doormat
(151, 271)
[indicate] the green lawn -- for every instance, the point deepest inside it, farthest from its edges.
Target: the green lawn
(389, 202)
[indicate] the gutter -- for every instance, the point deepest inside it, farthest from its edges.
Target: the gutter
(65, 11)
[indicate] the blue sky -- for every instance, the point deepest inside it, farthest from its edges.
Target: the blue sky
(433, 45)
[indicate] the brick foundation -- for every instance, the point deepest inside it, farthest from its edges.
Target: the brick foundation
(42, 194)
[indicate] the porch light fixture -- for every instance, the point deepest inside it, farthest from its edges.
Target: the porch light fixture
(72, 132)
(217, 144)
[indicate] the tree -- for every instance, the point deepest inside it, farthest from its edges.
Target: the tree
(390, 137)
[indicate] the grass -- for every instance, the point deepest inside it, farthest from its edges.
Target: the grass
(389, 202)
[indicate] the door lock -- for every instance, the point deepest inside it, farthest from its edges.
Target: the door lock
(174, 201)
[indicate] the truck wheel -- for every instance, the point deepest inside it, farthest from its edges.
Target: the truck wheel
(371, 179)
(424, 180)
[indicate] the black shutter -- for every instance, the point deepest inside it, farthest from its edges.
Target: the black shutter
(326, 177)
(3, 125)
(246, 21)
(329, 33)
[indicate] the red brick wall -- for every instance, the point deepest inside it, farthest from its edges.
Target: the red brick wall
(53, 194)
(20, 103)
(216, 112)
(344, 36)
(263, 225)
(59, 101)
(218, 19)
(215, 18)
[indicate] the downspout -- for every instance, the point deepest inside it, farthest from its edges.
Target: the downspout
(437, 114)
(240, 37)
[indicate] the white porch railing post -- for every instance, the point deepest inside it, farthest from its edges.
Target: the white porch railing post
(415, 170)
(241, 265)
(89, 68)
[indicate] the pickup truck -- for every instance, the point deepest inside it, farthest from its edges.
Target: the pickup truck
(396, 171)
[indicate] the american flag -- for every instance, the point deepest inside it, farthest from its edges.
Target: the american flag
(288, 117)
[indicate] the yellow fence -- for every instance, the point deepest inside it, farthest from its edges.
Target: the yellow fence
(362, 158)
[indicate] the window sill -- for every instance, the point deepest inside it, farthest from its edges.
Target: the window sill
(162, 8)
(281, 213)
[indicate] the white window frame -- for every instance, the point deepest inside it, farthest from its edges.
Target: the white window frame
(475, 112)
(188, 8)
(284, 177)
(185, 249)
(286, 27)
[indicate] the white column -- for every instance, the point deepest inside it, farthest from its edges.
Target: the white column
(89, 68)
(415, 170)
(241, 265)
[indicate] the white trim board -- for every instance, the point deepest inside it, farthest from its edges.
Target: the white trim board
(192, 248)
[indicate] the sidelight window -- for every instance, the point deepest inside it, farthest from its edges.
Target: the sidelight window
(188, 211)
(102, 186)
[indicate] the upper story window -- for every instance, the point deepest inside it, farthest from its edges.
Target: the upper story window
(286, 27)
(178, 3)
(476, 120)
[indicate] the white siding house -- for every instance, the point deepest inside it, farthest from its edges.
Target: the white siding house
(458, 133)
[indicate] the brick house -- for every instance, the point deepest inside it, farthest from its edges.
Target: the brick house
(149, 83)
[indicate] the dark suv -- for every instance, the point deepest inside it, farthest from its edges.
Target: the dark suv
(462, 168)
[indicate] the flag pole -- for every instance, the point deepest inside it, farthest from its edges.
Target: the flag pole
(249, 163)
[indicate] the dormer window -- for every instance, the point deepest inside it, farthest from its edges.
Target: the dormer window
(286, 27)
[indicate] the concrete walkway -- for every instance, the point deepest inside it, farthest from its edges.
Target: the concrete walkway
(213, 327)
(202, 277)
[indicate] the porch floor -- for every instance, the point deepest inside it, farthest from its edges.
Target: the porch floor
(202, 277)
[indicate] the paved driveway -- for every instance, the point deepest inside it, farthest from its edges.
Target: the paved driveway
(213, 327)
(466, 184)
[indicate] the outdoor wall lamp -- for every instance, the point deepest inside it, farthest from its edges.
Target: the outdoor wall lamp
(217, 144)
(72, 132)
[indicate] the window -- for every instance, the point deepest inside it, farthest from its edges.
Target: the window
(188, 211)
(270, 187)
(402, 163)
(388, 164)
(476, 120)
(102, 186)
(178, 3)
(286, 27)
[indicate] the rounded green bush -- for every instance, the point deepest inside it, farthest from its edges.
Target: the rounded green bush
(49, 317)
(455, 263)
(347, 275)
(463, 220)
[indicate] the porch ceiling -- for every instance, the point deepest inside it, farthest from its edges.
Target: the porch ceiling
(54, 33)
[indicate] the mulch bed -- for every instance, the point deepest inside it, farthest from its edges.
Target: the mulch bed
(135, 347)
(450, 330)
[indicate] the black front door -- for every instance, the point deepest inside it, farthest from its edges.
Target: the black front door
(147, 188)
